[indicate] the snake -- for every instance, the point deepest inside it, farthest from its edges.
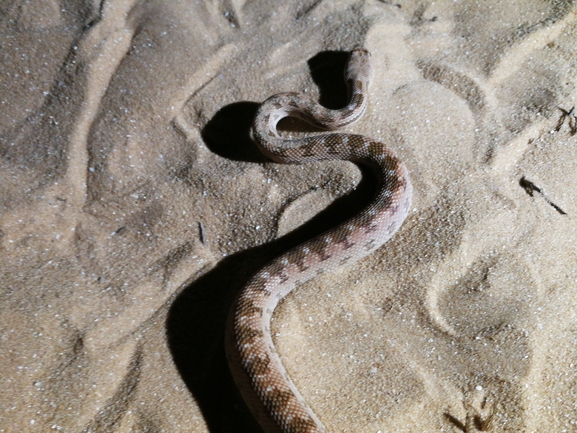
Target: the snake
(256, 367)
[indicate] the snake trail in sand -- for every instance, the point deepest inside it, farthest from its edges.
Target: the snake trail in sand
(255, 365)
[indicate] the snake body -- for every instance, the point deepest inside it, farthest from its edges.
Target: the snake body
(256, 367)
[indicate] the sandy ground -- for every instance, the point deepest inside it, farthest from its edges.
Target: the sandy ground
(134, 207)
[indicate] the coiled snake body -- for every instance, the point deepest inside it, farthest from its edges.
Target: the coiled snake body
(256, 367)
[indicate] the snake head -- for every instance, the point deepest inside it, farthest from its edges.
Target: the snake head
(359, 66)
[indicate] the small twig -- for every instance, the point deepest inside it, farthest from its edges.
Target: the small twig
(119, 231)
(397, 5)
(530, 188)
(568, 114)
(476, 419)
(201, 233)
(455, 421)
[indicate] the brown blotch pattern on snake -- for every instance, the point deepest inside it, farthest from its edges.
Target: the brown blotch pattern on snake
(254, 362)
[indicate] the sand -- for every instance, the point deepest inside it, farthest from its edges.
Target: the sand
(133, 207)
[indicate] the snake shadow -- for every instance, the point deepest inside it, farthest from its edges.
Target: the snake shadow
(196, 319)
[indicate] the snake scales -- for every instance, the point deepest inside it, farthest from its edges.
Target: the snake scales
(256, 367)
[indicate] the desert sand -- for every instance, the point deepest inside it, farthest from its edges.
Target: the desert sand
(134, 206)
